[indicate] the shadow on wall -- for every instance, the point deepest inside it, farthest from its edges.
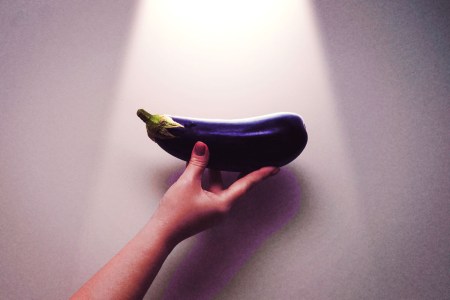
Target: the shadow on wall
(219, 253)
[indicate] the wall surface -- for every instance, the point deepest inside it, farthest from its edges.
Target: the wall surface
(363, 213)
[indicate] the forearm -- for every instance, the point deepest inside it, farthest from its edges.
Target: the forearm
(129, 274)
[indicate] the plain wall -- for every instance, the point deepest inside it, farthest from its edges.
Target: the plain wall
(362, 213)
(59, 64)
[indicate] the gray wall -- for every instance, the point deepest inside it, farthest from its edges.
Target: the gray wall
(362, 213)
(390, 66)
(59, 61)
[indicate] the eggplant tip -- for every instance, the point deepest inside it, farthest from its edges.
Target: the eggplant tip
(143, 115)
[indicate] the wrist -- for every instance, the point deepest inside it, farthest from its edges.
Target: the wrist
(161, 231)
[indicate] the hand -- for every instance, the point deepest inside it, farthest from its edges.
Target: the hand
(186, 208)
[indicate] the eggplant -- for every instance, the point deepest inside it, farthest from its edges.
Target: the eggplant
(237, 145)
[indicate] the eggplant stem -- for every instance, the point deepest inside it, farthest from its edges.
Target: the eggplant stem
(158, 125)
(144, 115)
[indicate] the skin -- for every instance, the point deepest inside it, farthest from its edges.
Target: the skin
(185, 210)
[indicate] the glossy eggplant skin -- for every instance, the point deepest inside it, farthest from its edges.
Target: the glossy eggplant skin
(240, 145)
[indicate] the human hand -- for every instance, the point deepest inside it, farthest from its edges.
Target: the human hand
(186, 208)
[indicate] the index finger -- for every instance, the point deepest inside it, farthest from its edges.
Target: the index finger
(215, 181)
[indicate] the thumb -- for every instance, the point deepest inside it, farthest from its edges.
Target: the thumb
(198, 162)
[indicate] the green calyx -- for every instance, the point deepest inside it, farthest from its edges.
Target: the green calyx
(158, 125)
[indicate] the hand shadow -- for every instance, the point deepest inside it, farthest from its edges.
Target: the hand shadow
(219, 253)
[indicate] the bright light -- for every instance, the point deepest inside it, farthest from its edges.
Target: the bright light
(184, 54)
(219, 20)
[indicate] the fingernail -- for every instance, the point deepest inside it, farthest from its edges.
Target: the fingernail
(275, 171)
(200, 149)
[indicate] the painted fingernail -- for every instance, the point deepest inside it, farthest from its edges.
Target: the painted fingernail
(200, 149)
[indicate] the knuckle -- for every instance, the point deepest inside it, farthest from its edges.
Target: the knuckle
(197, 162)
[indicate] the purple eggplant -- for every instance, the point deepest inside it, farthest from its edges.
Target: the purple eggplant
(239, 145)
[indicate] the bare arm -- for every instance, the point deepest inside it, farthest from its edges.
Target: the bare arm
(184, 210)
(130, 272)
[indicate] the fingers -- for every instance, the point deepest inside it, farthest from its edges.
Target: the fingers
(198, 162)
(215, 181)
(242, 185)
